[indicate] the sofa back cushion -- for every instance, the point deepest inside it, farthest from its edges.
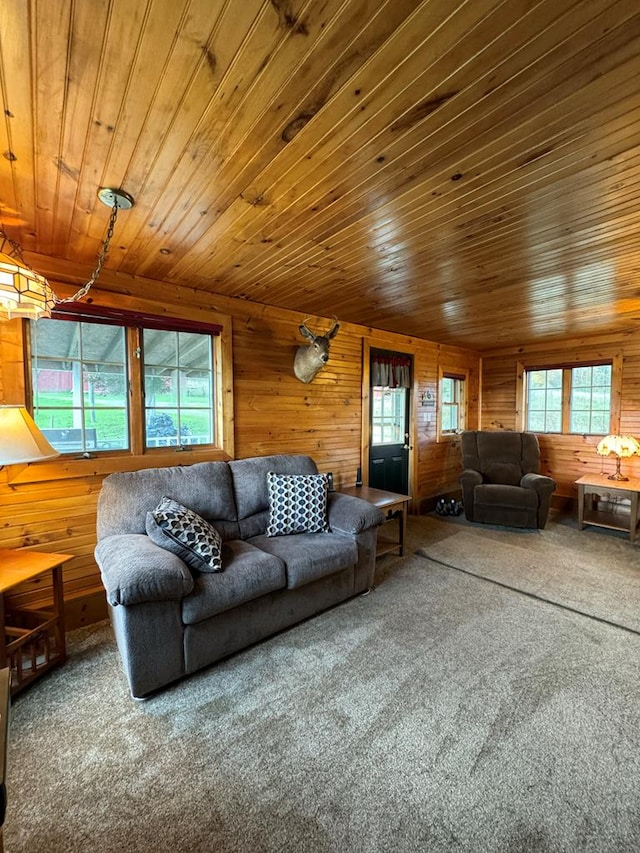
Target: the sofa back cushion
(206, 488)
(250, 487)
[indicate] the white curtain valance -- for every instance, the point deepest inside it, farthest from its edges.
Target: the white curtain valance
(390, 371)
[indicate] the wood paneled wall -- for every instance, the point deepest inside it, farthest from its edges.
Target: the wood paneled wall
(564, 457)
(272, 413)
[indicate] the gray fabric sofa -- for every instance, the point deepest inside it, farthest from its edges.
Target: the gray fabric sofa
(501, 483)
(170, 621)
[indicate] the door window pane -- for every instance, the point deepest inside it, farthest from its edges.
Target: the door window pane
(388, 415)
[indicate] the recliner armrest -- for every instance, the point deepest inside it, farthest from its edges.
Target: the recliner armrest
(538, 482)
(469, 477)
(135, 570)
(348, 514)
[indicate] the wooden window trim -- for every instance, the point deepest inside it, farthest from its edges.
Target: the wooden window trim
(615, 360)
(134, 459)
(463, 376)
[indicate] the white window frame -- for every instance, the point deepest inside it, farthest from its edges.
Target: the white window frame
(461, 378)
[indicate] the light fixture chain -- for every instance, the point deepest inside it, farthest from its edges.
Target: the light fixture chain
(101, 259)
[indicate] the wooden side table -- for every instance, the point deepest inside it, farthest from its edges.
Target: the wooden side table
(31, 641)
(592, 485)
(393, 505)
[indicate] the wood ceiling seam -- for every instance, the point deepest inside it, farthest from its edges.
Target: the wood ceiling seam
(109, 130)
(49, 91)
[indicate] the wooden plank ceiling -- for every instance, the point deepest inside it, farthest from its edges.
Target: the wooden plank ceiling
(466, 172)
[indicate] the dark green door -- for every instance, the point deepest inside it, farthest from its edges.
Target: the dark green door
(389, 430)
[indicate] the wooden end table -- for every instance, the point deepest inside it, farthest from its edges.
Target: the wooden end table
(31, 641)
(393, 505)
(597, 484)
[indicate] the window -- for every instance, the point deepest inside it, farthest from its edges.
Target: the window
(94, 383)
(452, 403)
(569, 399)
(178, 388)
(79, 382)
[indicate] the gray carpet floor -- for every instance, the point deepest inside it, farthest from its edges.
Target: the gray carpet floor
(445, 711)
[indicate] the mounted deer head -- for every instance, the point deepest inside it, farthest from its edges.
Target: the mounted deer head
(312, 357)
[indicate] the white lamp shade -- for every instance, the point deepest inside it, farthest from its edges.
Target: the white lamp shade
(20, 439)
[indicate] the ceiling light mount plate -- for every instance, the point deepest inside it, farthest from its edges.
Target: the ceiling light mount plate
(112, 197)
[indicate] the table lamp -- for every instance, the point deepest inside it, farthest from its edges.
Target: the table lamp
(621, 446)
(21, 441)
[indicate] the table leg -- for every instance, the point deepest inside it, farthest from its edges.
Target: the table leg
(633, 518)
(58, 609)
(581, 506)
(3, 637)
(402, 527)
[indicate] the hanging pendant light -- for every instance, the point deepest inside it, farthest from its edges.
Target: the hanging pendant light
(24, 292)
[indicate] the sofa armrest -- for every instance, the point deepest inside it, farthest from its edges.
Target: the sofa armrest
(538, 482)
(135, 570)
(348, 514)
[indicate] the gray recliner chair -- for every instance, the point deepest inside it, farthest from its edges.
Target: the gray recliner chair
(501, 483)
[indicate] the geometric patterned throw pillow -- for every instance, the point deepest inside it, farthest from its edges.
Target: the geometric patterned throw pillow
(297, 503)
(185, 533)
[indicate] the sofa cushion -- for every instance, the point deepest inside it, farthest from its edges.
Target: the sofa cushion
(505, 496)
(297, 503)
(205, 487)
(183, 532)
(249, 573)
(310, 556)
(250, 479)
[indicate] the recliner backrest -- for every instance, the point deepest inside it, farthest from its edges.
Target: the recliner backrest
(501, 457)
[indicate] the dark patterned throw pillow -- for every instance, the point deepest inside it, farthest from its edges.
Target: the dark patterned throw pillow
(183, 532)
(297, 503)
